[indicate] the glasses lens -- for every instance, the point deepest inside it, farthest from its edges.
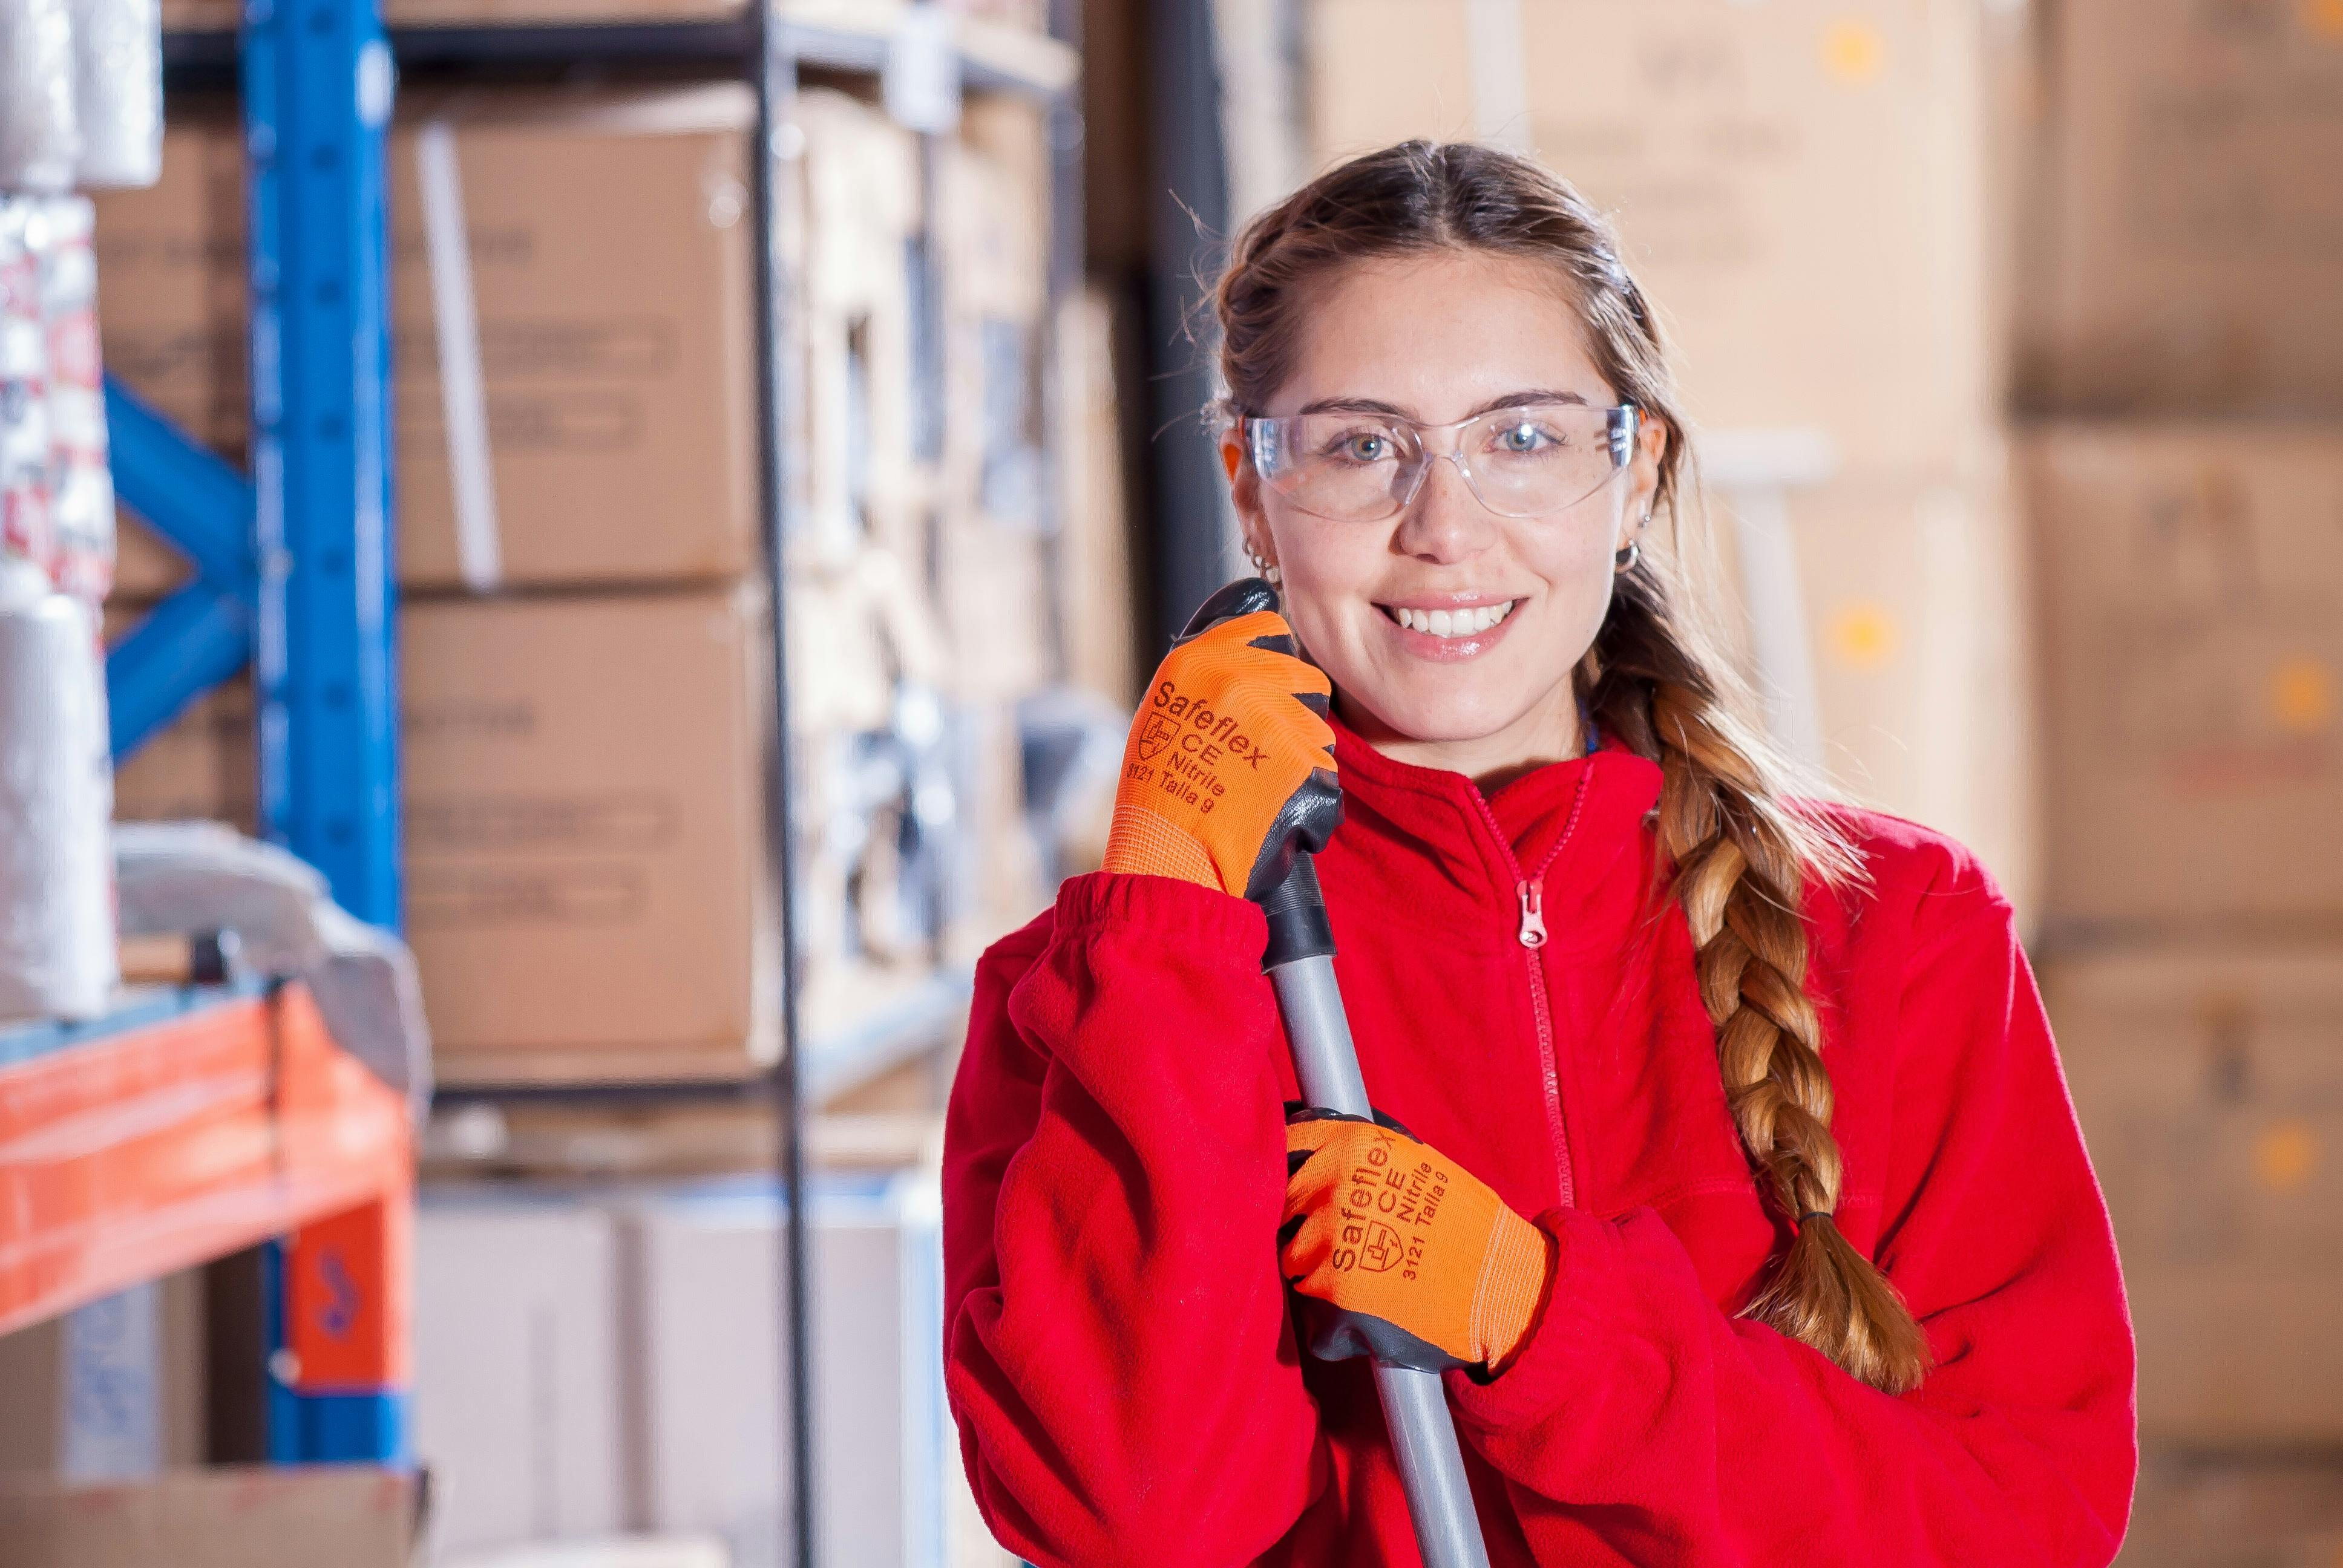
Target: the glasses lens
(1528, 462)
(1525, 462)
(1353, 467)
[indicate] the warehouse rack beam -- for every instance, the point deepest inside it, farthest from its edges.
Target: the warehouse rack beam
(993, 57)
(193, 1124)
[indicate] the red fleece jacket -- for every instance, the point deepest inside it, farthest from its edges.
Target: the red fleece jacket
(1119, 1353)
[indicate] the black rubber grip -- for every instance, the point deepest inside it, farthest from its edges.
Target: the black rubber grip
(1298, 927)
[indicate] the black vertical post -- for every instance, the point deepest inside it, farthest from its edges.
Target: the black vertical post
(1188, 223)
(776, 84)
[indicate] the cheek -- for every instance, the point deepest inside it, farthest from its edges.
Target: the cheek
(1328, 568)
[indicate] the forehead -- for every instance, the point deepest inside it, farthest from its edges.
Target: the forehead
(1438, 336)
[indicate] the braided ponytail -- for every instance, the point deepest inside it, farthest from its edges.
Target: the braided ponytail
(1742, 856)
(1741, 861)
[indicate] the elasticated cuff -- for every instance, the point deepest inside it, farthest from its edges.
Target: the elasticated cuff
(1202, 924)
(1551, 1362)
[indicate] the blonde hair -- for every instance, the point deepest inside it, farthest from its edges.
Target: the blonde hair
(1742, 852)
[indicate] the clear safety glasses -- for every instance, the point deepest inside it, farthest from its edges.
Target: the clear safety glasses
(1525, 462)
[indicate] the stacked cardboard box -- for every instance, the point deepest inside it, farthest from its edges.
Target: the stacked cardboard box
(583, 693)
(2184, 487)
(584, 662)
(595, 1360)
(1808, 191)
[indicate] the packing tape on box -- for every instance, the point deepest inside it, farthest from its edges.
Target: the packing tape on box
(1500, 83)
(456, 324)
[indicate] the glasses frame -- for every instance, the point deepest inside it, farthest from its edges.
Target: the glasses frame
(1261, 432)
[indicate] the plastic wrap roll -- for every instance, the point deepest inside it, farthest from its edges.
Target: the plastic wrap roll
(27, 532)
(81, 484)
(118, 90)
(40, 139)
(57, 794)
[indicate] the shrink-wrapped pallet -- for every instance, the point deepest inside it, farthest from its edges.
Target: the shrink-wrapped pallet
(40, 138)
(117, 47)
(56, 870)
(27, 531)
(81, 480)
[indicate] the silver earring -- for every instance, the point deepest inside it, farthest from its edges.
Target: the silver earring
(1625, 560)
(1269, 573)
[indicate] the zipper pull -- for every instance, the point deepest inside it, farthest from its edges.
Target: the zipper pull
(1532, 914)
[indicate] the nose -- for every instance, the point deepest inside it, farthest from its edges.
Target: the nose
(1445, 523)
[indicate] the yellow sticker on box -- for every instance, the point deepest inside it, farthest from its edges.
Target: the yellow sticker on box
(1864, 634)
(2284, 1155)
(1854, 51)
(2302, 695)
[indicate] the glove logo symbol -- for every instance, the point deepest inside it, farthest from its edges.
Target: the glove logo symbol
(1383, 1248)
(1155, 736)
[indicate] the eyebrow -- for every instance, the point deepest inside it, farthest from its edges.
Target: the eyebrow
(1522, 400)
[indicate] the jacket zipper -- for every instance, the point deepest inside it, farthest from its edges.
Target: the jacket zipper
(1531, 892)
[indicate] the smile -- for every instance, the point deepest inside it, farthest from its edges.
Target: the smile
(1450, 623)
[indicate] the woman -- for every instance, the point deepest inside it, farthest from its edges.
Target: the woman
(1746, 1199)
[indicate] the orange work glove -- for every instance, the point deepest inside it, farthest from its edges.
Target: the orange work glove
(1230, 768)
(1424, 1265)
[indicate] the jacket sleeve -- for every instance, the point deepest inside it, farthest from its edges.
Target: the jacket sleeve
(1117, 1351)
(1701, 1437)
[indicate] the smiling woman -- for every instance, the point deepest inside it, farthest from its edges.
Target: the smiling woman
(1730, 1172)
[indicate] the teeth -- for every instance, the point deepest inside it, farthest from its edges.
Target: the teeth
(1454, 623)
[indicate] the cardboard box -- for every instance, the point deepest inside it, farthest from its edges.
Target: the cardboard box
(585, 808)
(1799, 184)
(611, 277)
(111, 1391)
(202, 766)
(2236, 1510)
(2210, 1092)
(591, 1359)
(2192, 644)
(518, 1402)
(606, 269)
(349, 1515)
(2194, 211)
(171, 311)
(1913, 593)
(708, 1271)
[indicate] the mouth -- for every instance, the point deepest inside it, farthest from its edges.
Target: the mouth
(1453, 632)
(1452, 622)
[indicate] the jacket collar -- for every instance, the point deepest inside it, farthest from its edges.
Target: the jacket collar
(1582, 824)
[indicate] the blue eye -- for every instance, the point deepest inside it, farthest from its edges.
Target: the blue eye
(1525, 439)
(1366, 447)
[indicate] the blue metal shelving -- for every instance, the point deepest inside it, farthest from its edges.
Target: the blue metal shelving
(293, 561)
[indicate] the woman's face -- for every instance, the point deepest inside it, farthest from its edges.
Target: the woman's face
(1436, 340)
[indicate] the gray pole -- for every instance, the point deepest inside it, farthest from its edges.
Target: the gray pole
(1430, 1466)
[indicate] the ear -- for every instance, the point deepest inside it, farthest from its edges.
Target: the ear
(1651, 436)
(1244, 488)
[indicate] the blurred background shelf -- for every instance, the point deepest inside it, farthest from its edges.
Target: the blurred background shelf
(187, 1126)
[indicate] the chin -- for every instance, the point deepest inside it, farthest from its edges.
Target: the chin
(1452, 717)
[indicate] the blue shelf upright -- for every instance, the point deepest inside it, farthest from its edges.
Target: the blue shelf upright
(317, 83)
(293, 574)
